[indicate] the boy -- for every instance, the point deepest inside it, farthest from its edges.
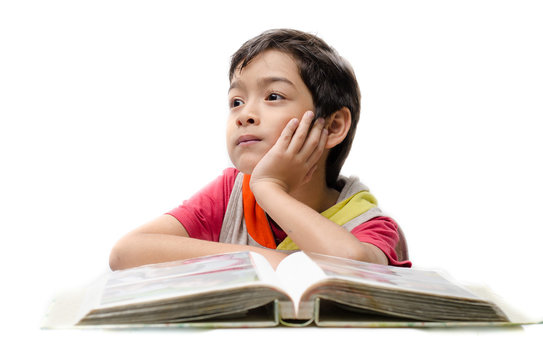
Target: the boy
(294, 106)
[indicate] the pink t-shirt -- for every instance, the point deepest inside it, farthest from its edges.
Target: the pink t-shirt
(202, 216)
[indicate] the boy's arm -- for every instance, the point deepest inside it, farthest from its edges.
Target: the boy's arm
(313, 232)
(165, 239)
(289, 164)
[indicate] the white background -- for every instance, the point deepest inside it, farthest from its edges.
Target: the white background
(113, 112)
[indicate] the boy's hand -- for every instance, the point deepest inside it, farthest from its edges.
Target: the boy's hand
(294, 157)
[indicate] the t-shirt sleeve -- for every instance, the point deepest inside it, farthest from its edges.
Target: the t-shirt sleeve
(202, 215)
(382, 232)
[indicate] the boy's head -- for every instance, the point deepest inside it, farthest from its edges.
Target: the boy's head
(329, 78)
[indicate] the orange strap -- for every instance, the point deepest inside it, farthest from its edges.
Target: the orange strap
(256, 220)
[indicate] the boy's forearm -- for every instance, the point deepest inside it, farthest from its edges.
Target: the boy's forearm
(311, 231)
(137, 249)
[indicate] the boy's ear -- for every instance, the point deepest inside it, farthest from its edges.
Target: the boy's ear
(338, 125)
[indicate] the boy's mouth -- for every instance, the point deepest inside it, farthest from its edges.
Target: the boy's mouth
(247, 140)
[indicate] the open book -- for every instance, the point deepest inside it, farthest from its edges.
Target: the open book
(242, 290)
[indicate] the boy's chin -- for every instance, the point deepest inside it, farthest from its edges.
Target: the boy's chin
(248, 170)
(245, 166)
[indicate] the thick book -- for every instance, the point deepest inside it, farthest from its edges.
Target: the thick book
(242, 290)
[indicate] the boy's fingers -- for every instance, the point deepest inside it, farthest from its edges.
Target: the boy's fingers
(313, 139)
(309, 174)
(287, 133)
(301, 133)
(318, 150)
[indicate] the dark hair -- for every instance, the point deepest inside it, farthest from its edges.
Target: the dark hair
(328, 76)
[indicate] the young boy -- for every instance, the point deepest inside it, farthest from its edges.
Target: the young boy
(294, 107)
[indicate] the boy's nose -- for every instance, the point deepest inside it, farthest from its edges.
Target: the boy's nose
(247, 118)
(246, 121)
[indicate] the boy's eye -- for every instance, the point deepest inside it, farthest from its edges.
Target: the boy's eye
(274, 97)
(236, 103)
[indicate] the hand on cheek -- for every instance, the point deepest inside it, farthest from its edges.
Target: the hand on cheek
(293, 159)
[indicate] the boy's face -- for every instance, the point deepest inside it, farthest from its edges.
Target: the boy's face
(263, 97)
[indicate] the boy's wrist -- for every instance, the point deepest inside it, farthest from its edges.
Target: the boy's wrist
(268, 189)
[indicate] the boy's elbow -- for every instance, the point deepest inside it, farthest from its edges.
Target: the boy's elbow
(115, 262)
(378, 256)
(118, 258)
(369, 253)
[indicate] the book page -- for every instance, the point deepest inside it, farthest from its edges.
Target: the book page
(296, 273)
(264, 270)
(390, 277)
(217, 287)
(394, 292)
(179, 278)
